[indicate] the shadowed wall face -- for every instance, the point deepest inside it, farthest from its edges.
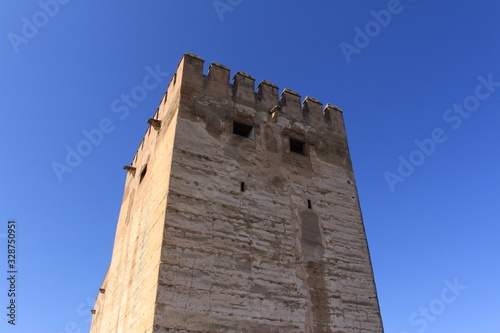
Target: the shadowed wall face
(311, 240)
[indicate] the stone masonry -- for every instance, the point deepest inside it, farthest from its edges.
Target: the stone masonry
(240, 214)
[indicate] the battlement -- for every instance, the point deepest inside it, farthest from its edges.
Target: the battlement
(215, 97)
(266, 98)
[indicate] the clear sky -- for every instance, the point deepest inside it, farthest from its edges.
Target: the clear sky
(419, 83)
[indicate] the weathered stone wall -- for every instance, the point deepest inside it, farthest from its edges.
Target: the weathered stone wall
(261, 260)
(232, 233)
(127, 304)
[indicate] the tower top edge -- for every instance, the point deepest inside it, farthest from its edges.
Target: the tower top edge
(192, 67)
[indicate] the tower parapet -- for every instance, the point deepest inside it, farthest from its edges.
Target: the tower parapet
(305, 118)
(242, 91)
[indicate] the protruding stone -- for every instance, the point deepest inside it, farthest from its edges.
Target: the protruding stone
(129, 168)
(155, 123)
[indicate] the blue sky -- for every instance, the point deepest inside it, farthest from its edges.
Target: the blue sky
(419, 83)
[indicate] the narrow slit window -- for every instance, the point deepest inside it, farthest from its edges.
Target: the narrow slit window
(297, 146)
(243, 129)
(309, 205)
(242, 187)
(143, 173)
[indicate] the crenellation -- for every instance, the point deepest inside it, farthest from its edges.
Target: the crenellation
(222, 67)
(164, 98)
(194, 56)
(288, 104)
(218, 81)
(267, 95)
(291, 106)
(334, 114)
(244, 89)
(190, 72)
(313, 113)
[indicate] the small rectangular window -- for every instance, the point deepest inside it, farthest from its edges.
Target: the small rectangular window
(143, 173)
(309, 205)
(243, 130)
(297, 146)
(242, 187)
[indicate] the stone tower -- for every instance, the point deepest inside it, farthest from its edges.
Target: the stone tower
(240, 214)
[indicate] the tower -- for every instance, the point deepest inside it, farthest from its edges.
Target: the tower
(240, 214)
